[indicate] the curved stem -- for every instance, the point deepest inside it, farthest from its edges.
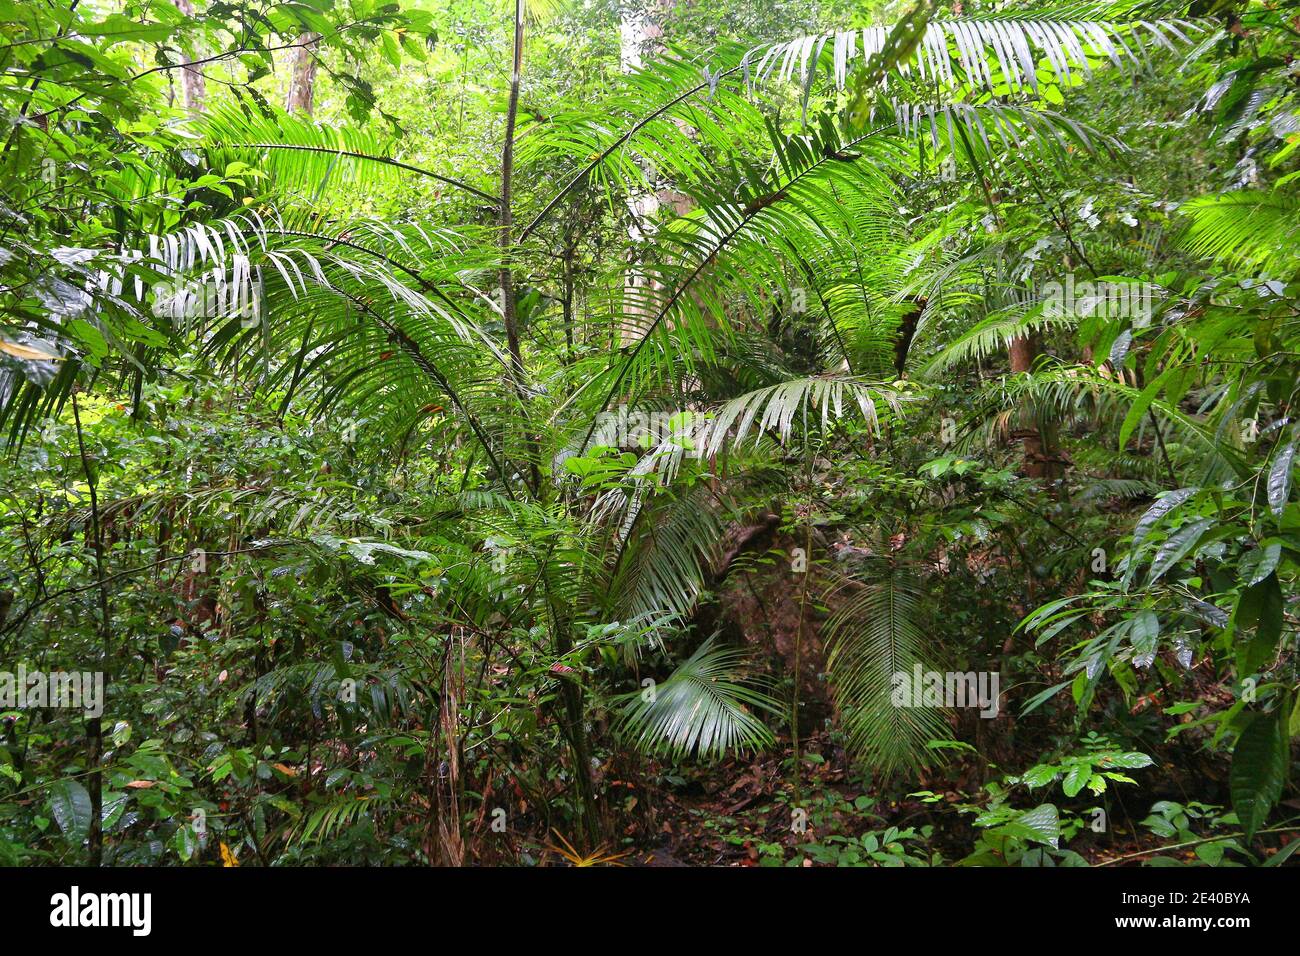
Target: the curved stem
(751, 213)
(609, 151)
(1179, 846)
(384, 160)
(412, 349)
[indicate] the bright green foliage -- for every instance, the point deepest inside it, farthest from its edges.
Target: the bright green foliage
(464, 447)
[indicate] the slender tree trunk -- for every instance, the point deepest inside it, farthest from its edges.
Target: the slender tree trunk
(302, 79)
(509, 313)
(94, 728)
(906, 332)
(1023, 351)
(509, 308)
(1040, 453)
(571, 694)
(450, 843)
(570, 250)
(575, 729)
(194, 89)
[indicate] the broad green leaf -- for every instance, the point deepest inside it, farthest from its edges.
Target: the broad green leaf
(1258, 564)
(1180, 543)
(1129, 761)
(1145, 635)
(70, 807)
(90, 339)
(1259, 764)
(1268, 628)
(1076, 778)
(1044, 821)
(185, 842)
(1039, 776)
(1162, 507)
(1212, 853)
(1279, 478)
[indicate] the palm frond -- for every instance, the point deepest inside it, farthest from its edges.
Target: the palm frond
(818, 401)
(999, 53)
(878, 634)
(312, 159)
(995, 332)
(701, 710)
(1249, 229)
(664, 555)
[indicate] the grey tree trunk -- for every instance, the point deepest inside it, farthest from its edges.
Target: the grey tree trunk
(641, 33)
(302, 79)
(194, 88)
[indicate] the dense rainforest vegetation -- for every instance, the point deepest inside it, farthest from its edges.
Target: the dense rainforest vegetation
(760, 433)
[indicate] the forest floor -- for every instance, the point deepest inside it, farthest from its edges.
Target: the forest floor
(744, 813)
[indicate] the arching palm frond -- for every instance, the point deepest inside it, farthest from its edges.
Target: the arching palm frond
(807, 402)
(1249, 229)
(1000, 53)
(878, 634)
(375, 318)
(995, 333)
(790, 226)
(665, 554)
(1056, 392)
(701, 710)
(313, 160)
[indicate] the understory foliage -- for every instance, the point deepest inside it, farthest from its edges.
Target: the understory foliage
(462, 432)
